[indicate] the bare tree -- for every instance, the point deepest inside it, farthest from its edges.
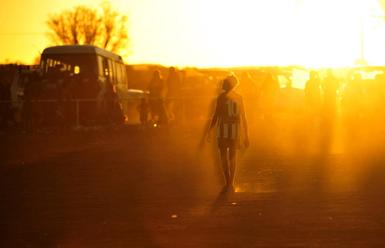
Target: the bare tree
(104, 27)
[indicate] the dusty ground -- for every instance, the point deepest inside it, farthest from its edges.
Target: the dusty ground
(135, 188)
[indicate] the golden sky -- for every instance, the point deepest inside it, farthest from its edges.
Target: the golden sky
(217, 32)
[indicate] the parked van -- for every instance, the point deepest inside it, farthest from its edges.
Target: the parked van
(95, 77)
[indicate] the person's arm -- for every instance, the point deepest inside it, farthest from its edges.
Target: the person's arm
(213, 122)
(244, 124)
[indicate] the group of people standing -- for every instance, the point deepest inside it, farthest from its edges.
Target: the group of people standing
(160, 106)
(321, 95)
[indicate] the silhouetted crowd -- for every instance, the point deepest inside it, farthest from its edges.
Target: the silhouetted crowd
(174, 96)
(18, 85)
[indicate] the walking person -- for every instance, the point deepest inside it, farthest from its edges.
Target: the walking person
(230, 121)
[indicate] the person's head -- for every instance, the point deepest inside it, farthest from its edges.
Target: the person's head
(229, 83)
(156, 74)
(329, 73)
(380, 77)
(357, 76)
(314, 75)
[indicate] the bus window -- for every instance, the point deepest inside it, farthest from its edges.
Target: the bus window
(106, 72)
(124, 74)
(112, 71)
(77, 64)
(118, 72)
(100, 66)
(76, 69)
(104, 67)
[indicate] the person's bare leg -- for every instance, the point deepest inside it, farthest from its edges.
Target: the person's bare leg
(232, 162)
(225, 165)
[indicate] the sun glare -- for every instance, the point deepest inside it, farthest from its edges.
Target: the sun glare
(207, 33)
(308, 32)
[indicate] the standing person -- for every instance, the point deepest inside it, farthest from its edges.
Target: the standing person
(352, 101)
(173, 92)
(4, 92)
(158, 91)
(143, 109)
(330, 87)
(230, 120)
(313, 95)
(269, 95)
(17, 102)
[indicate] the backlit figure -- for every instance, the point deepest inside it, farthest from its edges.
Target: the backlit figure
(231, 126)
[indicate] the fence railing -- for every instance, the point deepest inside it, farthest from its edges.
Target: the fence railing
(77, 109)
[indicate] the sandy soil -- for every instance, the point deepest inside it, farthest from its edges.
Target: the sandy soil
(156, 188)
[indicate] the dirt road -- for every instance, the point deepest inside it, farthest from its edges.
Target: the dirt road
(135, 188)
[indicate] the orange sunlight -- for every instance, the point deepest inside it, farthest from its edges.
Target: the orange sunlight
(205, 33)
(309, 32)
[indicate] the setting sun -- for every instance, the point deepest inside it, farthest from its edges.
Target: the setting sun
(309, 32)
